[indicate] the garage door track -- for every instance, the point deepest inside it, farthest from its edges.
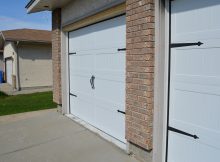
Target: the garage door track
(47, 136)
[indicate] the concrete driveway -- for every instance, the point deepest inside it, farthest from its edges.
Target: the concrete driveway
(7, 89)
(47, 136)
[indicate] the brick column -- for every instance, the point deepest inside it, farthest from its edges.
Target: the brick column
(56, 55)
(140, 72)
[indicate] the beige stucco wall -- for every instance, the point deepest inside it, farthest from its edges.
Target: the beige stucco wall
(35, 65)
(10, 50)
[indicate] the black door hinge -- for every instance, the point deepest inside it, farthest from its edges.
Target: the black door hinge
(73, 95)
(122, 112)
(121, 49)
(73, 53)
(182, 132)
(176, 45)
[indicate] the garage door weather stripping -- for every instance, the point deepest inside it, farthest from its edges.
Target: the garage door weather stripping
(97, 75)
(194, 91)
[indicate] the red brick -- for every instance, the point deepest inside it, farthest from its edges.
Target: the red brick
(140, 72)
(56, 55)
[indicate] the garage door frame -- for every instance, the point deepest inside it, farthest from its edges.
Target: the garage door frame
(105, 135)
(161, 79)
(169, 84)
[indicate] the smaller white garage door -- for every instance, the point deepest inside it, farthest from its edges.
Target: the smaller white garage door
(97, 75)
(194, 112)
(9, 71)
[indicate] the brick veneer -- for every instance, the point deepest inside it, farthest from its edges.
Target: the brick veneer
(140, 72)
(56, 54)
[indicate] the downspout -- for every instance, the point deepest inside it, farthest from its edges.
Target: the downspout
(18, 84)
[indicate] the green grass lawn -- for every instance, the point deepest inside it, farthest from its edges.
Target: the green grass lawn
(25, 103)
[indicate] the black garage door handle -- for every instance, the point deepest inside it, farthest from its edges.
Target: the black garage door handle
(92, 82)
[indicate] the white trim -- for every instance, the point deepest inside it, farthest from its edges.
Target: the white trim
(107, 137)
(64, 72)
(161, 80)
(31, 7)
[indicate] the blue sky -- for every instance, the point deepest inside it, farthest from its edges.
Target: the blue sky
(13, 16)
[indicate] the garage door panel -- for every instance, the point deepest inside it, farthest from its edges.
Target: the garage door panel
(110, 90)
(81, 40)
(109, 120)
(207, 136)
(188, 19)
(82, 107)
(115, 76)
(101, 31)
(111, 62)
(196, 108)
(197, 152)
(205, 59)
(100, 51)
(81, 63)
(80, 84)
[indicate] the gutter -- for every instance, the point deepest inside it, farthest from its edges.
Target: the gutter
(31, 41)
(18, 84)
(29, 3)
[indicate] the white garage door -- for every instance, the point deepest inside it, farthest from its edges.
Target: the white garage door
(9, 71)
(97, 75)
(194, 111)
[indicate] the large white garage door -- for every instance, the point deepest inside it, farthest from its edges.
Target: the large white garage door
(194, 111)
(97, 75)
(9, 71)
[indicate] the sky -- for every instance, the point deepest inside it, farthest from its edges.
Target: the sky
(13, 15)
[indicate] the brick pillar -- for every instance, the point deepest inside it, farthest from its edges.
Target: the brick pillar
(140, 72)
(56, 55)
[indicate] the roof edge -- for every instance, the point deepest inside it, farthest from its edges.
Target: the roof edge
(31, 41)
(29, 3)
(2, 35)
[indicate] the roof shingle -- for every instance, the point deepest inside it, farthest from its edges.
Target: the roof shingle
(31, 35)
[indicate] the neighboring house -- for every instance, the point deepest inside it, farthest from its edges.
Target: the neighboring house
(145, 72)
(27, 58)
(1, 60)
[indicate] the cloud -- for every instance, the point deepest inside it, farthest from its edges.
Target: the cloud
(7, 23)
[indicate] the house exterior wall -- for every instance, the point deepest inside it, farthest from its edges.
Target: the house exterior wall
(139, 67)
(34, 65)
(1, 61)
